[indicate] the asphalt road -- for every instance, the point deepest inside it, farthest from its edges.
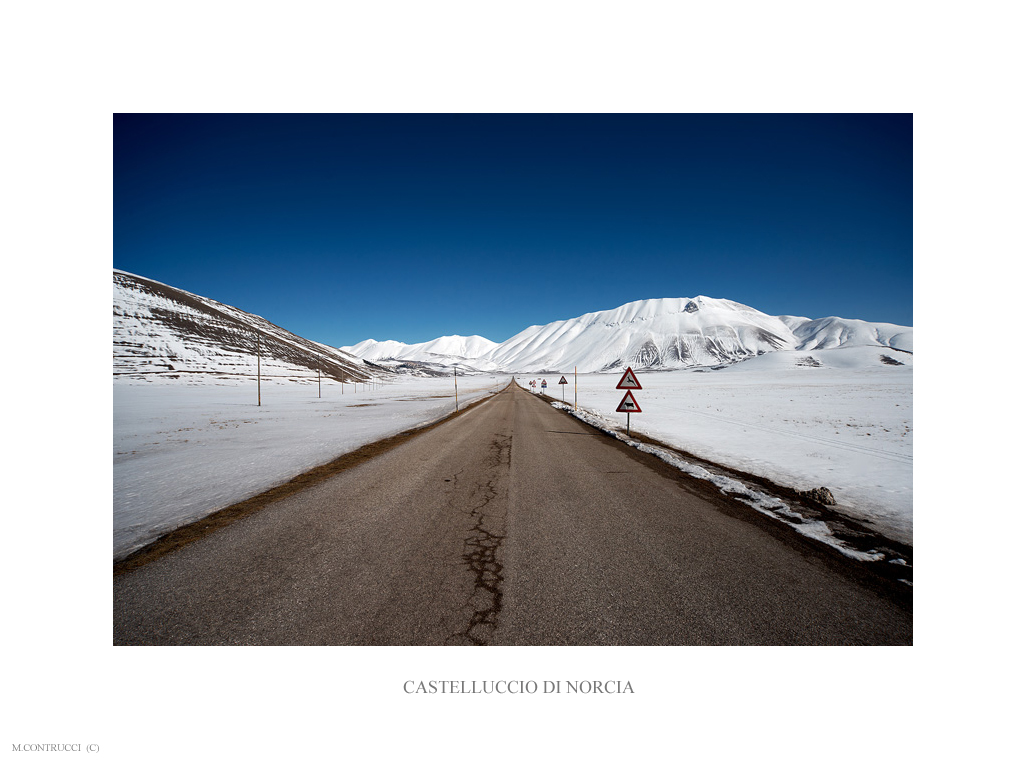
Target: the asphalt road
(513, 523)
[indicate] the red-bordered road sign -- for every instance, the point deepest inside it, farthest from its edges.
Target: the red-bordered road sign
(629, 382)
(628, 404)
(563, 380)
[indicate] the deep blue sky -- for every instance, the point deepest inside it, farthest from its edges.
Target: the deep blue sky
(409, 227)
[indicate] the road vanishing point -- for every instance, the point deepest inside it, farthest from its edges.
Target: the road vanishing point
(512, 523)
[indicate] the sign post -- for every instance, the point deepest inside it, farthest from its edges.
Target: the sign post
(628, 382)
(563, 381)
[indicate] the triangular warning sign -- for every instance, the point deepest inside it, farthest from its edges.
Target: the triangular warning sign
(563, 380)
(629, 381)
(628, 404)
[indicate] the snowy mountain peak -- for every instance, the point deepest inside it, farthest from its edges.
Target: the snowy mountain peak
(434, 357)
(652, 333)
(448, 347)
(833, 332)
(466, 346)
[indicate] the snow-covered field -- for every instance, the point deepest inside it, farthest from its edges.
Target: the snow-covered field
(846, 424)
(184, 451)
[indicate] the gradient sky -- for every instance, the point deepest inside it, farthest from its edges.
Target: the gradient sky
(409, 227)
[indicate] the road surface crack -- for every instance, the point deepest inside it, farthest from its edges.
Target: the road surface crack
(482, 551)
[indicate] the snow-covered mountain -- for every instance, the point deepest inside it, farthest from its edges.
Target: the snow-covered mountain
(656, 333)
(446, 349)
(834, 332)
(434, 358)
(161, 332)
(662, 333)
